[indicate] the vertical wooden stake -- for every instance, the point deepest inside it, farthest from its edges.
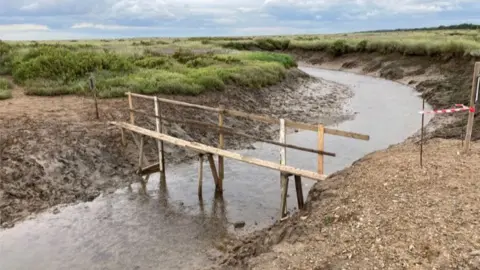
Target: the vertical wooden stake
(421, 132)
(283, 205)
(298, 187)
(140, 156)
(124, 142)
(94, 91)
(158, 128)
(321, 146)
(200, 176)
(283, 176)
(130, 105)
(471, 114)
(214, 173)
(221, 145)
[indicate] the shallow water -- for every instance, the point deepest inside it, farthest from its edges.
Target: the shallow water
(169, 228)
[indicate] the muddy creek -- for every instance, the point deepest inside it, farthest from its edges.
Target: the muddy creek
(169, 228)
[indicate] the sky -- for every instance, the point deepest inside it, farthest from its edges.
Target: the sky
(93, 19)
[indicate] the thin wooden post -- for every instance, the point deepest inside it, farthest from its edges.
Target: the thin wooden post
(124, 142)
(130, 105)
(158, 128)
(471, 114)
(283, 176)
(298, 187)
(284, 195)
(321, 146)
(94, 91)
(140, 156)
(200, 176)
(421, 136)
(214, 173)
(221, 145)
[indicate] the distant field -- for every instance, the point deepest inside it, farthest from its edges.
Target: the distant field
(194, 65)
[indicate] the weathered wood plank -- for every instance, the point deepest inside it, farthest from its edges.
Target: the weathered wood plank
(230, 131)
(209, 149)
(471, 115)
(221, 145)
(261, 118)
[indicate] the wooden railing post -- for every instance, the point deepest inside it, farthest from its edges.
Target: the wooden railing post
(158, 128)
(471, 114)
(200, 176)
(130, 105)
(221, 145)
(321, 146)
(283, 176)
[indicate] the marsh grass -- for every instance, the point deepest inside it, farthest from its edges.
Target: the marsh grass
(63, 69)
(5, 89)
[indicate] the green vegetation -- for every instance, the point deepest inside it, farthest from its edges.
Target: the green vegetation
(61, 69)
(5, 89)
(457, 43)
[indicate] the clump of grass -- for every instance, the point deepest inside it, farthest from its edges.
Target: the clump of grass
(5, 89)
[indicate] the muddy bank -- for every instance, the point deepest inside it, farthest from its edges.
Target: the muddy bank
(442, 81)
(382, 212)
(53, 151)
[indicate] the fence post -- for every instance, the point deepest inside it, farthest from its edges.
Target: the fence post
(471, 114)
(130, 105)
(94, 91)
(158, 128)
(221, 145)
(283, 176)
(321, 146)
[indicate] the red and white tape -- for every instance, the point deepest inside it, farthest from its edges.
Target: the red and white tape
(458, 108)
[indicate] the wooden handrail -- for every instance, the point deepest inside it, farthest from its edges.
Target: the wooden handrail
(261, 118)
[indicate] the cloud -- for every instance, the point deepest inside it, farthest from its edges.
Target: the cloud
(212, 17)
(22, 27)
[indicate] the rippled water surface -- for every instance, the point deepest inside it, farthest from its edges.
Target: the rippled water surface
(170, 228)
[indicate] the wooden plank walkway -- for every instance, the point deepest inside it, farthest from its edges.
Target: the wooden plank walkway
(202, 148)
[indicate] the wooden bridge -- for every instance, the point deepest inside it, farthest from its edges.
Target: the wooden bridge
(203, 150)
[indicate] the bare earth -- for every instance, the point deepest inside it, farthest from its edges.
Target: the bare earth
(384, 212)
(53, 150)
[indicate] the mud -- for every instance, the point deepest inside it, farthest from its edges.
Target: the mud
(385, 211)
(53, 150)
(442, 81)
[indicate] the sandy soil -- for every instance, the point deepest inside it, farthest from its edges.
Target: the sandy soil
(53, 151)
(384, 212)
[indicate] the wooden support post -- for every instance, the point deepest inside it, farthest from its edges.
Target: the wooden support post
(158, 128)
(94, 92)
(298, 187)
(130, 105)
(221, 145)
(200, 176)
(283, 176)
(283, 203)
(124, 142)
(321, 146)
(471, 114)
(140, 156)
(421, 133)
(214, 173)
(282, 139)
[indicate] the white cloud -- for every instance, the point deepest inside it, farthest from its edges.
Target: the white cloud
(22, 27)
(85, 25)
